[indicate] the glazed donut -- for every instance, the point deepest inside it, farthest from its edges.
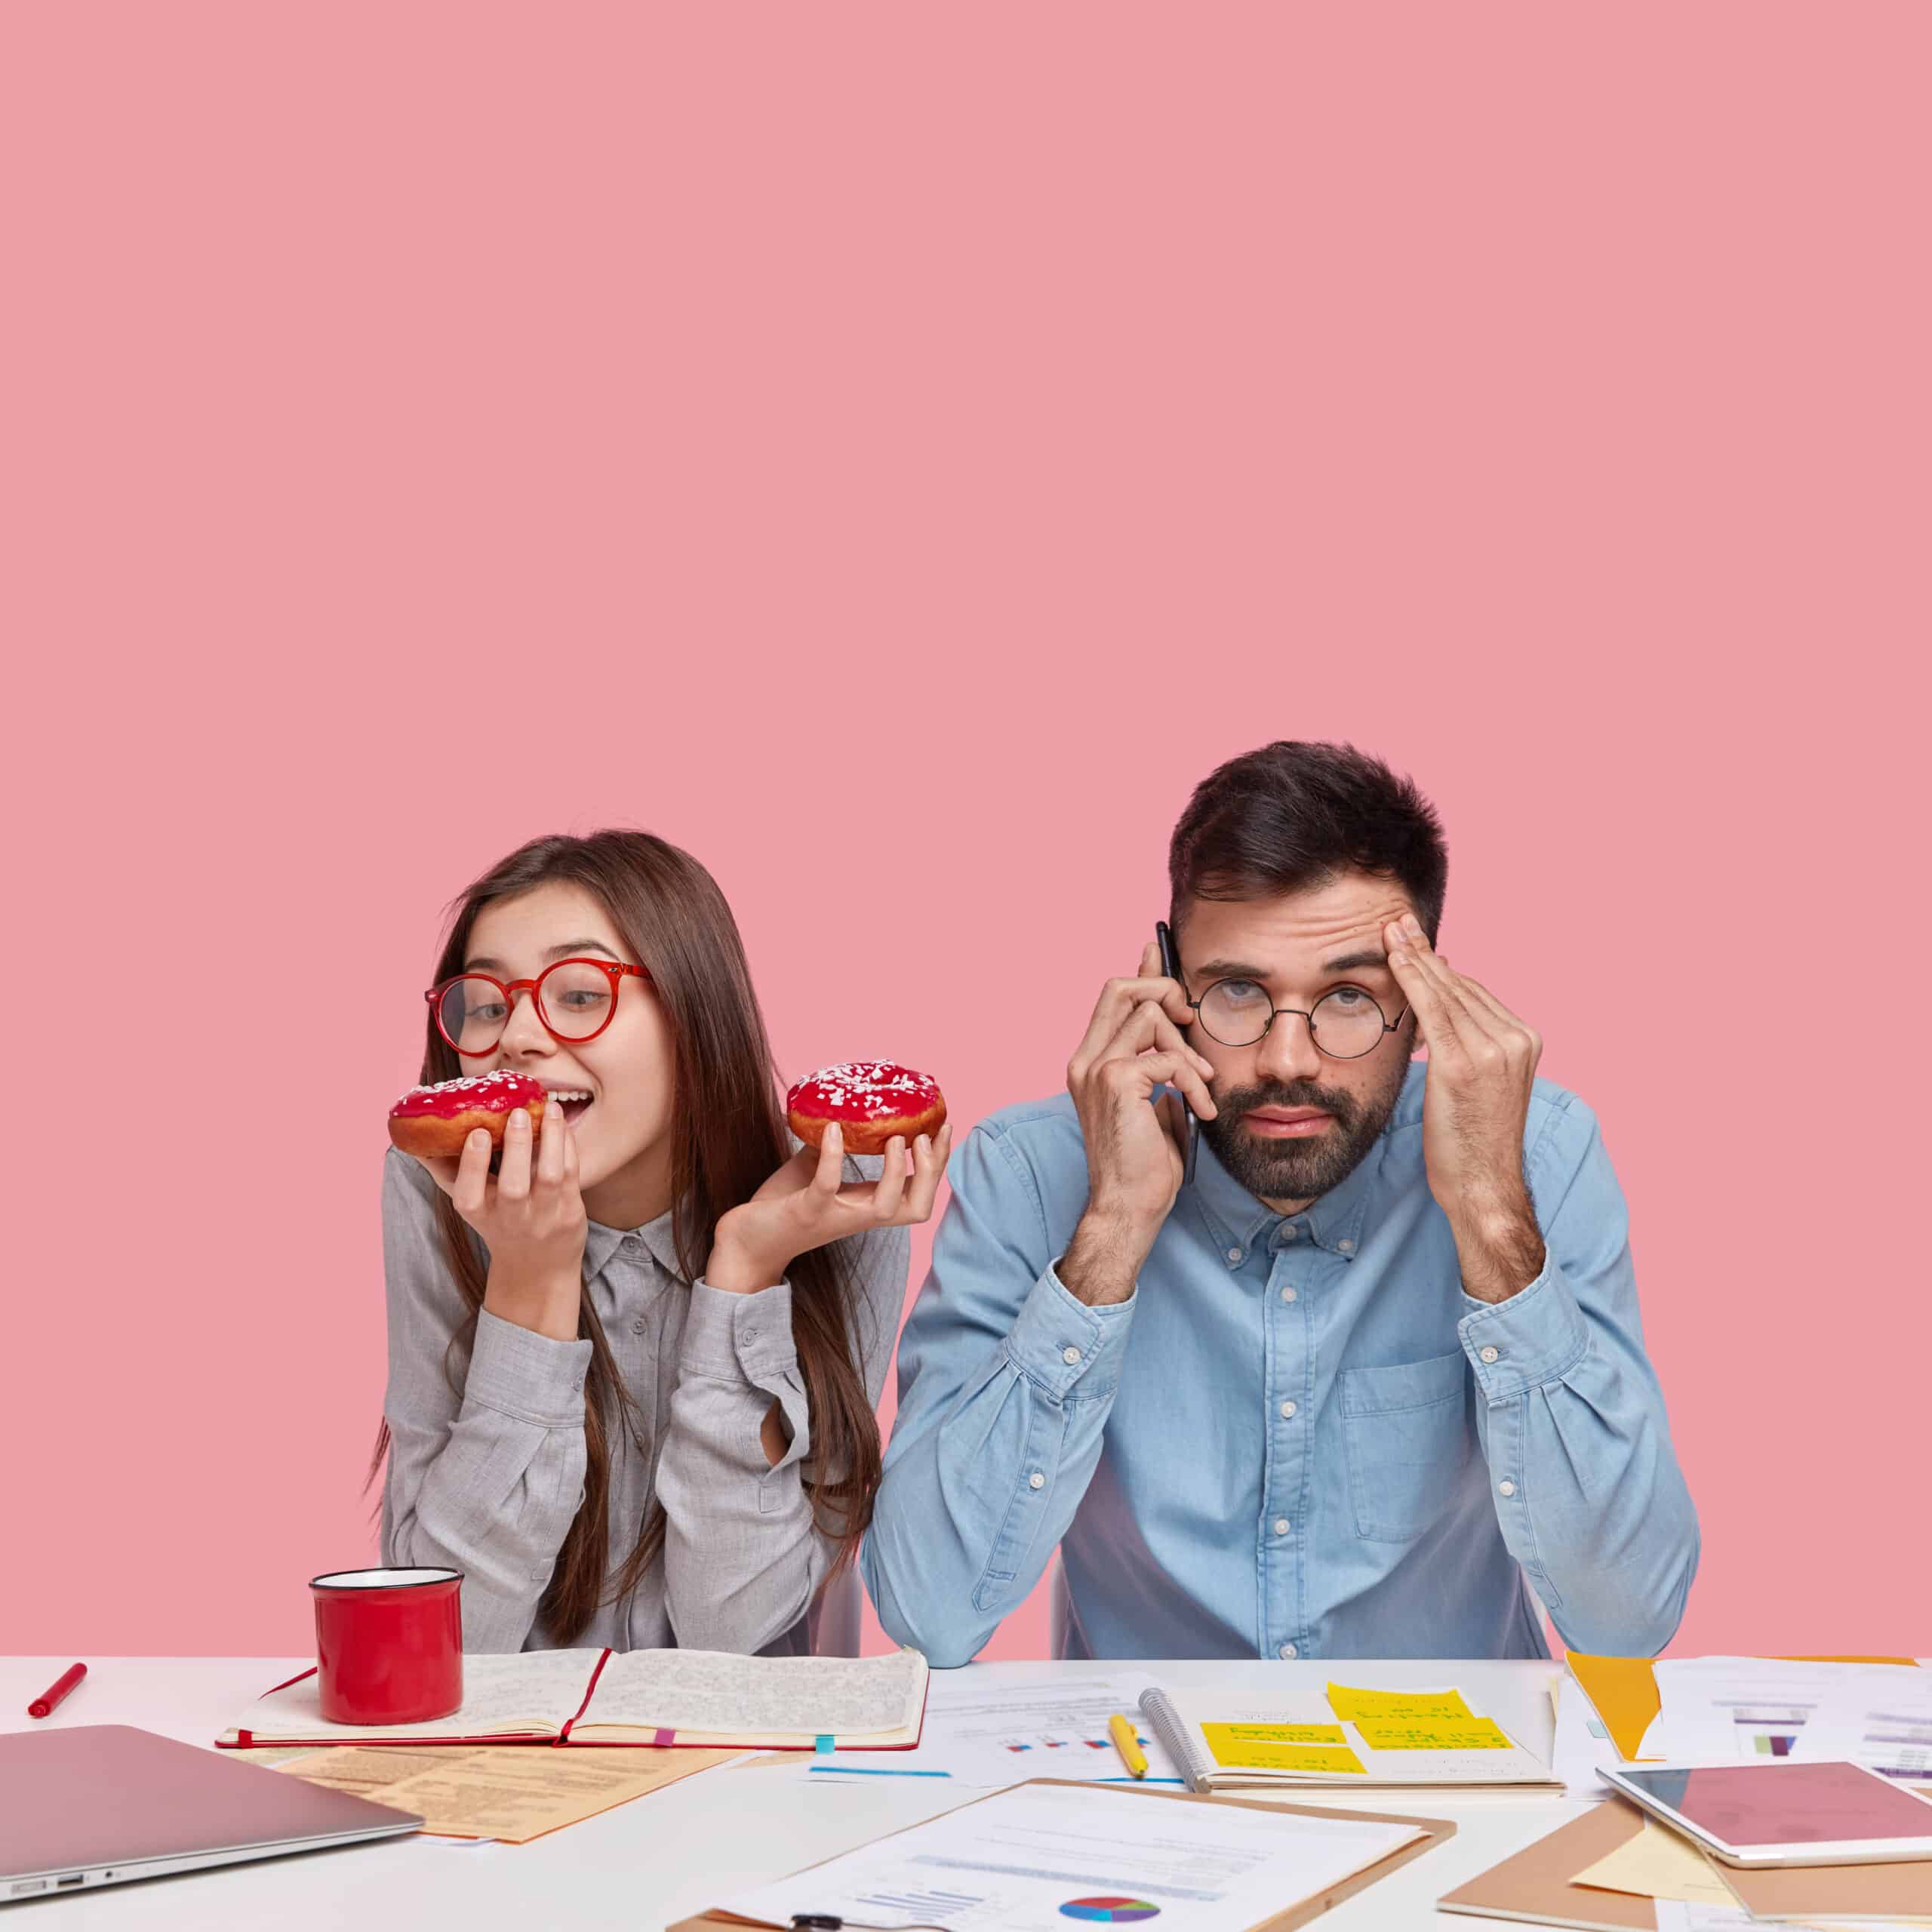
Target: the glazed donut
(871, 1099)
(433, 1122)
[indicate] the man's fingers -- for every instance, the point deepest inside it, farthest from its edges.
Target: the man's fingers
(1148, 1028)
(1434, 1020)
(1118, 998)
(1513, 1032)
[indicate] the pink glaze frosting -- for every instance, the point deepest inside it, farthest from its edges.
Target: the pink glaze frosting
(490, 1092)
(863, 1089)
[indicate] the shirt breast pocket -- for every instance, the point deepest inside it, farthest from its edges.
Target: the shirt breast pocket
(1406, 1427)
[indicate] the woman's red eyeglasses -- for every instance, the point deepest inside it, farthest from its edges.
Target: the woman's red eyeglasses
(576, 1000)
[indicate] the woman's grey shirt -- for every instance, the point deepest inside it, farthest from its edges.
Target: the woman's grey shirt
(486, 1459)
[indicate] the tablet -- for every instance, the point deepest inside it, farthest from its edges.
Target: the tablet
(1783, 1813)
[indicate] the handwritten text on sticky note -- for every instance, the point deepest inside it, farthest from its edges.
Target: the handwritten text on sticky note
(1350, 1704)
(1432, 1734)
(1284, 1747)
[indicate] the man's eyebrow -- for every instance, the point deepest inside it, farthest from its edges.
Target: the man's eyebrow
(1242, 969)
(569, 949)
(1352, 962)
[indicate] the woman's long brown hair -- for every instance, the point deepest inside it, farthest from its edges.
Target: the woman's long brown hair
(728, 1135)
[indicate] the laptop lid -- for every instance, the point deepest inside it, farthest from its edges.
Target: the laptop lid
(94, 1804)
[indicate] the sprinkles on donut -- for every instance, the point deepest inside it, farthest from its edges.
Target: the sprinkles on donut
(433, 1122)
(871, 1099)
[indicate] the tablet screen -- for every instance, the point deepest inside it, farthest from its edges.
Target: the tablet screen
(1748, 1804)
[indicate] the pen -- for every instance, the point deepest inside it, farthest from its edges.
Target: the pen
(43, 1706)
(1128, 1743)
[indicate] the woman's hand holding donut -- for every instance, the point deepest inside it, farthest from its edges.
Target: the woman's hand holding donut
(804, 1206)
(531, 1217)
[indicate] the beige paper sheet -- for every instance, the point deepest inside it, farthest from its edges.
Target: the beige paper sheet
(1658, 1863)
(512, 1793)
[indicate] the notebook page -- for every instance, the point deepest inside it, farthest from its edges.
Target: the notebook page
(713, 1691)
(524, 1691)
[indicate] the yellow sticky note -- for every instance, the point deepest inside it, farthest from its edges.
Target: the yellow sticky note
(1432, 1734)
(1350, 1704)
(1283, 1747)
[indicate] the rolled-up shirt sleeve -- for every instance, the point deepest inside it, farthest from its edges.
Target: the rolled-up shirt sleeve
(743, 1555)
(1588, 1492)
(486, 1460)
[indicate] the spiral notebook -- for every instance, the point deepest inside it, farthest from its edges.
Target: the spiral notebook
(1365, 1738)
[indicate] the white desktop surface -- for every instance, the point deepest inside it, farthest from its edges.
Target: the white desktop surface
(670, 1855)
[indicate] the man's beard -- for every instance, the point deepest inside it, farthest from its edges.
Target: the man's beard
(1299, 1170)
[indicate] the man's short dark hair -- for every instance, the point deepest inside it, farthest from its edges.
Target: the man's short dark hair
(1292, 815)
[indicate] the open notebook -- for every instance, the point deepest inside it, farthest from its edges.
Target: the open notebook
(656, 1697)
(1364, 1738)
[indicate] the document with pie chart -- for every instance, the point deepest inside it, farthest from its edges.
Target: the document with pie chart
(1052, 1858)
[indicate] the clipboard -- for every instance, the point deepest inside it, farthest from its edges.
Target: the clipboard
(1301, 1912)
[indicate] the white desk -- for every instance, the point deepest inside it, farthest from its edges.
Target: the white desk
(670, 1855)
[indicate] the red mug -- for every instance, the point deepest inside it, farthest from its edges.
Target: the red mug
(388, 1645)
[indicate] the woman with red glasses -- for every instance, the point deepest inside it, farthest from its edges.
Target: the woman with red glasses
(632, 1372)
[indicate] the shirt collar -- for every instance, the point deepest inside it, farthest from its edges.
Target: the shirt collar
(601, 1243)
(1240, 1221)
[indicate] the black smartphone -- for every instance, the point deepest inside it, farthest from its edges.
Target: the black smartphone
(1170, 966)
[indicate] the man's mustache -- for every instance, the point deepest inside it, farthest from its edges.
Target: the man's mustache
(1286, 1094)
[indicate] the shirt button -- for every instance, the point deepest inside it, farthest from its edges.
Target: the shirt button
(636, 1327)
(1287, 1294)
(1486, 1355)
(576, 1387)
(1234, 1254)
(1505, 1488)
(750, 1335)
(1069, 1356)
(1280, 1526)
(1287, 1410)
(1287, 1653)
(1036, 1481)
(1290, 1233)
(1346, 1247)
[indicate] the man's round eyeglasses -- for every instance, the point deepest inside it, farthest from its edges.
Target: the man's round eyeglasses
(576, 1000)
(1344, 1024)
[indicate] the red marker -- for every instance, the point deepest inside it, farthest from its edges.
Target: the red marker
(43, 1704)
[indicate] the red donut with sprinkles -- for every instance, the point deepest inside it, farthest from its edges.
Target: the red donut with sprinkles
(433, 1122)
(871, 1099)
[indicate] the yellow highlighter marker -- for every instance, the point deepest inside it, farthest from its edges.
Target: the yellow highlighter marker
(1127, 1742)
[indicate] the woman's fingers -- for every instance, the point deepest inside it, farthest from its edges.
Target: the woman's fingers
(472, 1175)
(891, 1185)
(929, 1159)
(831, 1167)
(550, 1137)
(513, 1172)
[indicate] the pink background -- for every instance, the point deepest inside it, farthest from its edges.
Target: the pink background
(894, 452)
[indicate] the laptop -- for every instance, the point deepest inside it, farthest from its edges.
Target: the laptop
(97, 1804)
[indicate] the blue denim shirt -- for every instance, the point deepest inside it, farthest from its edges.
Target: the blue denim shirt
(1299, 1437)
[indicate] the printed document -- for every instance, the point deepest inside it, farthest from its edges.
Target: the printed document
(1038, 1858)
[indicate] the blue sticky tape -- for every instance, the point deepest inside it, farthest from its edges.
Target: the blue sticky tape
(822, 1744)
